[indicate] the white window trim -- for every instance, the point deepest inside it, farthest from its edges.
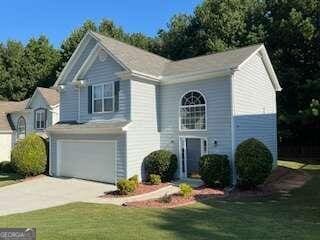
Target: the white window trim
(18, 128)
(205, 109)
(38, 113)
(93, 98)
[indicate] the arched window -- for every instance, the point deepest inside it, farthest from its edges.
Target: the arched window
(21, 128)
(193, 111)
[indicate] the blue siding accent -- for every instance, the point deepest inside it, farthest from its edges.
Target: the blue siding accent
(255, 111)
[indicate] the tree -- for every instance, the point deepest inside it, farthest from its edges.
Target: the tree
(12, 71)
(229, 24)
(109, 29)
(23, 68)
(294, 47)
(141, 41)
(41, 63)
(215, 26)
(177, 41)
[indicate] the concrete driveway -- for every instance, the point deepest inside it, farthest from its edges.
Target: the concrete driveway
(45, 192)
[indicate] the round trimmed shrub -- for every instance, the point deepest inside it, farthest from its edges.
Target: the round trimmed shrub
(155, 179)
(29, 157)
(185, 190)
(135, 179)
(163, 163)
(126, 186)
(6, 167)
(253, 163)
(215, 170)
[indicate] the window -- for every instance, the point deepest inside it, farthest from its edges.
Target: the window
(193, 112)
(21, 128)
(103, 98)
(40, 119)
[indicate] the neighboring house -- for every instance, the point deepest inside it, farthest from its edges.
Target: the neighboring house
(17, 119)
(119, 103)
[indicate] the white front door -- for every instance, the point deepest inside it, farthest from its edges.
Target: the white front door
(87, 159)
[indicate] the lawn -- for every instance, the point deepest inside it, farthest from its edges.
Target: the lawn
(294, 217)
(9, 178)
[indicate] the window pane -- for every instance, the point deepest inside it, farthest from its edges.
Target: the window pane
(193, 118)
(97, 106)
(108, 90)
(97, 92)
(108, 104)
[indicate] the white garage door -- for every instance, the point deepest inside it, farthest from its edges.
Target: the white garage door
(92, 160)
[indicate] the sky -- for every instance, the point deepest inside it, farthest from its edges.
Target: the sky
(21, 19)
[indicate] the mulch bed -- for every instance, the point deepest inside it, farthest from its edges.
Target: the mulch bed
(281, 179)
(141, 189)
(177, 200)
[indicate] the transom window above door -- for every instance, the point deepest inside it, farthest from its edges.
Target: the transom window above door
(40, 119)
(193, 112)
(103, 98)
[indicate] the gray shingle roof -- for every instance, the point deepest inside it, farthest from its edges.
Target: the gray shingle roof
(145, 62)
(6, 107)
(217, 61)
(105, 125)
(132, 57)
(51, 95)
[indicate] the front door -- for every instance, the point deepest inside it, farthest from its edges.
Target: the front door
(191, 149)
(193, 156)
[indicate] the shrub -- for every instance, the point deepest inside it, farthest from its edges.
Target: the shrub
(126, 186)
(215, 170)
(166, 198)
(135, 179)
(155, 179)
(253, 163)
(185, 190)
(163, 163)
(29, 156)
(6, 167)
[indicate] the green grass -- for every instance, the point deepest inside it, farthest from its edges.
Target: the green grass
(295, 217)
(9, 178)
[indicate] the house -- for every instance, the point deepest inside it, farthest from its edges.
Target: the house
(119, 103)
(17, 119)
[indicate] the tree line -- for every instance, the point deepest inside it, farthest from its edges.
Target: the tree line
(290, 29)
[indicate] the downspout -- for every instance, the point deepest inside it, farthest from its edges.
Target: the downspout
(233, 144)
(79, 103)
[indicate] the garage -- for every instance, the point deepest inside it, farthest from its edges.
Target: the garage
(87, 159)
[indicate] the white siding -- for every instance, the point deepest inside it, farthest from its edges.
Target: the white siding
(255, 105)
(55, 115)
(5, 146)
(217, 94)
(142, 136)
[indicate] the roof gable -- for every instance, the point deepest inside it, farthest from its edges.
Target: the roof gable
(267, 63)
(50, 97)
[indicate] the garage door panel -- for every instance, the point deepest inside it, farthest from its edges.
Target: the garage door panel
(90, 160)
